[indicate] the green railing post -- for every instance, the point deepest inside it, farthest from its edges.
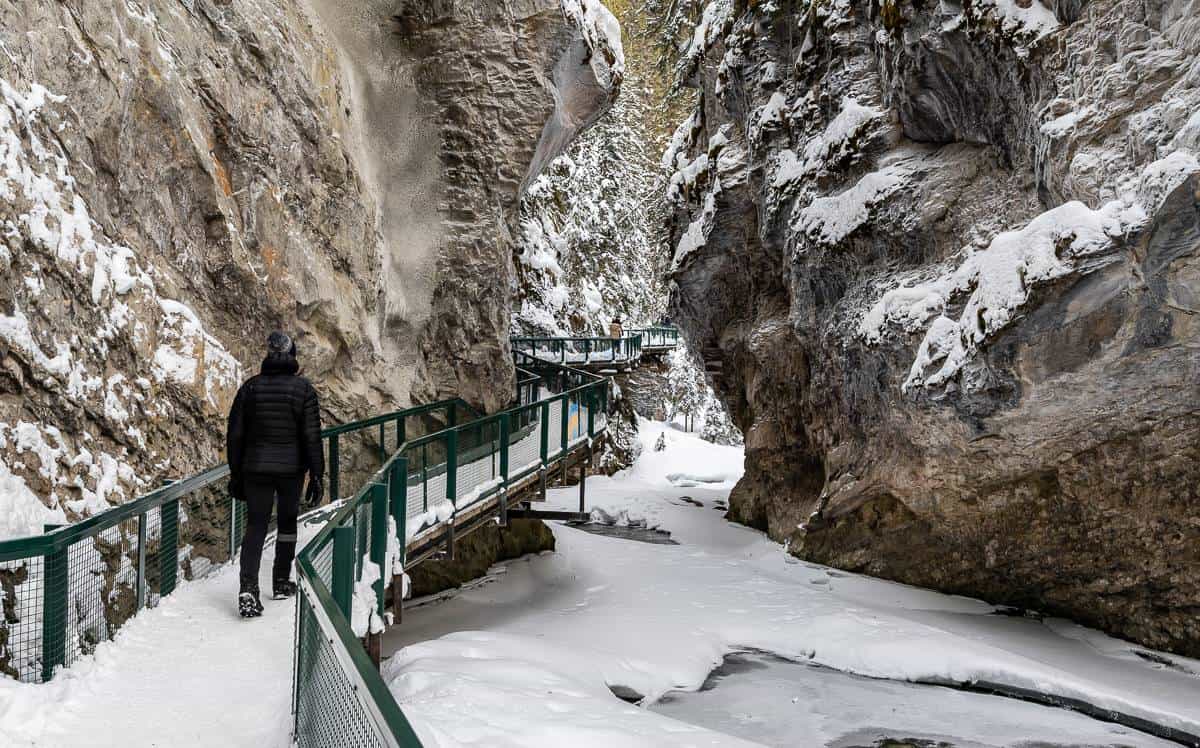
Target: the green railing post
(334, 487)
(401, 435)
(545, 430)
(54, 609)
(362, 541)
(379, 539)
(343, 568)
(382, 444)
(398, 488)
(141, 562)
(168, 547)
(452, 465)
(504, 438)
(587, 350)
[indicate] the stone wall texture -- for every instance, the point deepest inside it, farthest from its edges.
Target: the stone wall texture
(178, 178)
(945, 260)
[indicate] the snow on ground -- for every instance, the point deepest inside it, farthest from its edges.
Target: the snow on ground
(527, 660)
(188, 673)
(773, 700)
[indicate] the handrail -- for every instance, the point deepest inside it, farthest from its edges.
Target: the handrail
(625, 349)
(657, 336)
(64, 603)
(59, 537)
(370, 531)
(360, 533)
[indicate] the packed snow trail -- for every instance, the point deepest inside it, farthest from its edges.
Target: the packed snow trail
(528, 659)
(189, 672)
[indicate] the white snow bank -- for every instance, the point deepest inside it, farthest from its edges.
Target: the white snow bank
(604, 612)
(526, 692)
(364, 612)
(998, 280)
(829, 220)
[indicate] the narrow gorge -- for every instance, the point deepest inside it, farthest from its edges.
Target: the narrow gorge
(691, 373)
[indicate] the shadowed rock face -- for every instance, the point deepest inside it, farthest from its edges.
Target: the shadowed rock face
(462, 103)
(179, 178)
(926, 397)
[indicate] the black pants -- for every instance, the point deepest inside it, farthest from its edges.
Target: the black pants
(261, 492)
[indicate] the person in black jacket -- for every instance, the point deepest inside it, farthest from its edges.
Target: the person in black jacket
(273, 440)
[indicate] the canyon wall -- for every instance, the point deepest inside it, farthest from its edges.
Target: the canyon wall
(178, 178)
(943, 263)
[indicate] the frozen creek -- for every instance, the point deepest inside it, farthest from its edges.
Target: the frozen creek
(535, 655)
(769, 700)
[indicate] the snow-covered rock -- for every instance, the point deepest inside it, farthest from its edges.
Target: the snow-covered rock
(953, 307)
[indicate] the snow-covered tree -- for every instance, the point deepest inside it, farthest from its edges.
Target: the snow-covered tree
(686, 389)
(718, 427)
(592, 237)
(670, 24)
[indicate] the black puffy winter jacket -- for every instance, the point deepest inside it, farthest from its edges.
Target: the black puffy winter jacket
(275, 424)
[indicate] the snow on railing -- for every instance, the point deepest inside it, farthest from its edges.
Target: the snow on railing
(423, 487)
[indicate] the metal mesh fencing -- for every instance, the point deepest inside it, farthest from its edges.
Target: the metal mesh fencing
(473, 475)
(526, 451)
(554, 444)
(329, 710)
(21, 582)
(323, 563)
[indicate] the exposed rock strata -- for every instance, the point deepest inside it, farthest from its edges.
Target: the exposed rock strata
(179, 178)
(948, 258)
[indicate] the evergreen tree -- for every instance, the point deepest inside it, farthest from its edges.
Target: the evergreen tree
(593, 239)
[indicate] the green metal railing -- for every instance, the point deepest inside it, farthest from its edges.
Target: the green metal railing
(418, 469)
(73, 587)
(657, 337)
(423, 486)
(581, 350)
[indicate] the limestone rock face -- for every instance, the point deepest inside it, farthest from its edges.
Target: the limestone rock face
(179, 178)
(944, 261)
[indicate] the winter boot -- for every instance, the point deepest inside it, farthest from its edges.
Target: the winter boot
(249, 606)
(282, 589)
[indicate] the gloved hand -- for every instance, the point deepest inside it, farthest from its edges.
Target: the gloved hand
(237, 487)
(315, 491)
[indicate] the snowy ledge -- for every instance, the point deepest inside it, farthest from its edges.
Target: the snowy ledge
(997, 281)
